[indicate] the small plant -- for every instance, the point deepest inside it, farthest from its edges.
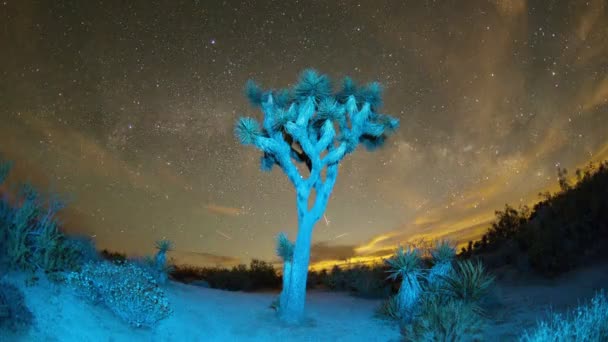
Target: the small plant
(468, 282)
(285, 251)
(586, 323)
(161, 268)
(389, 309)
(406, 265)
(442, 318)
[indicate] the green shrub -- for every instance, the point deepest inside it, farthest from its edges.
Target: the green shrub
(389, 309)
(128, 290)
(442, 318)
(467, 282)
(366, 282)
(406, 265)
(30, 238)
(442, 257)
(586, 323)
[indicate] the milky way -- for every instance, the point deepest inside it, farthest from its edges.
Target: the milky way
(128, 109)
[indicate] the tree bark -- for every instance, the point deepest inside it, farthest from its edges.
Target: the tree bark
(292, 311)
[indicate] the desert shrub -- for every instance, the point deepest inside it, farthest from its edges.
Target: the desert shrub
(187, 273)
(586, 323)
(160, 272)
(157, 265)
(442, 318)
(315, 279)
(129, 291)
(442, 258)
(14, 314)
(467, 282)
(263, 275)
(257, 276)
(368, 282)
(83, 249)
(30, 238)
(336, 279)
(406, 264)
(113, 256)
(389, 309)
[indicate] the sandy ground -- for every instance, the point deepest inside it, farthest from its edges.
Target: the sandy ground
(202, 314)
(517, 305)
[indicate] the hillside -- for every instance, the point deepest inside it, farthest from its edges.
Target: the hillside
(556, 235)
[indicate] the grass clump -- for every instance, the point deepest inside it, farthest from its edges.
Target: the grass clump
(389, 309)
(442, 318)
(468, 282)
(586, 323)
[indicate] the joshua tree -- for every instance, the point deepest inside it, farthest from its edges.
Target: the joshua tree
(443, 255)
(160, 261)
(406, 264)
(298, 127)
(285, 251)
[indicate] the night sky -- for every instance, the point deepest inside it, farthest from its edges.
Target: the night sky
(128, 108)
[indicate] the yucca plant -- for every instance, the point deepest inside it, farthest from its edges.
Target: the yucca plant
(442, 318)
(468, 282)
(389, 309)
(406, 264)
(163, 269)
(443, 255)
(285, 252)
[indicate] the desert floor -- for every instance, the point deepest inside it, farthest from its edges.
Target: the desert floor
(202, 314)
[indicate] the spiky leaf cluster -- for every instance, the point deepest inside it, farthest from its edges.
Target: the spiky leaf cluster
(441, 318)
(443, 252)
(468, 281)
(300, 122)
(247, 129)
(389, 309)
(404, 263)
(164, 245)
(284, 247)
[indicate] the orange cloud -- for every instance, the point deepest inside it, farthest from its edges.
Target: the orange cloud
(229, 211)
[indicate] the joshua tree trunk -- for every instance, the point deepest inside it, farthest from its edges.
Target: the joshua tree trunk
(292, 310)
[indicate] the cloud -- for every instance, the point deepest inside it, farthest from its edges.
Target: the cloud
(202, 258)
(511, 8)
(323, 251)
(221, 210)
